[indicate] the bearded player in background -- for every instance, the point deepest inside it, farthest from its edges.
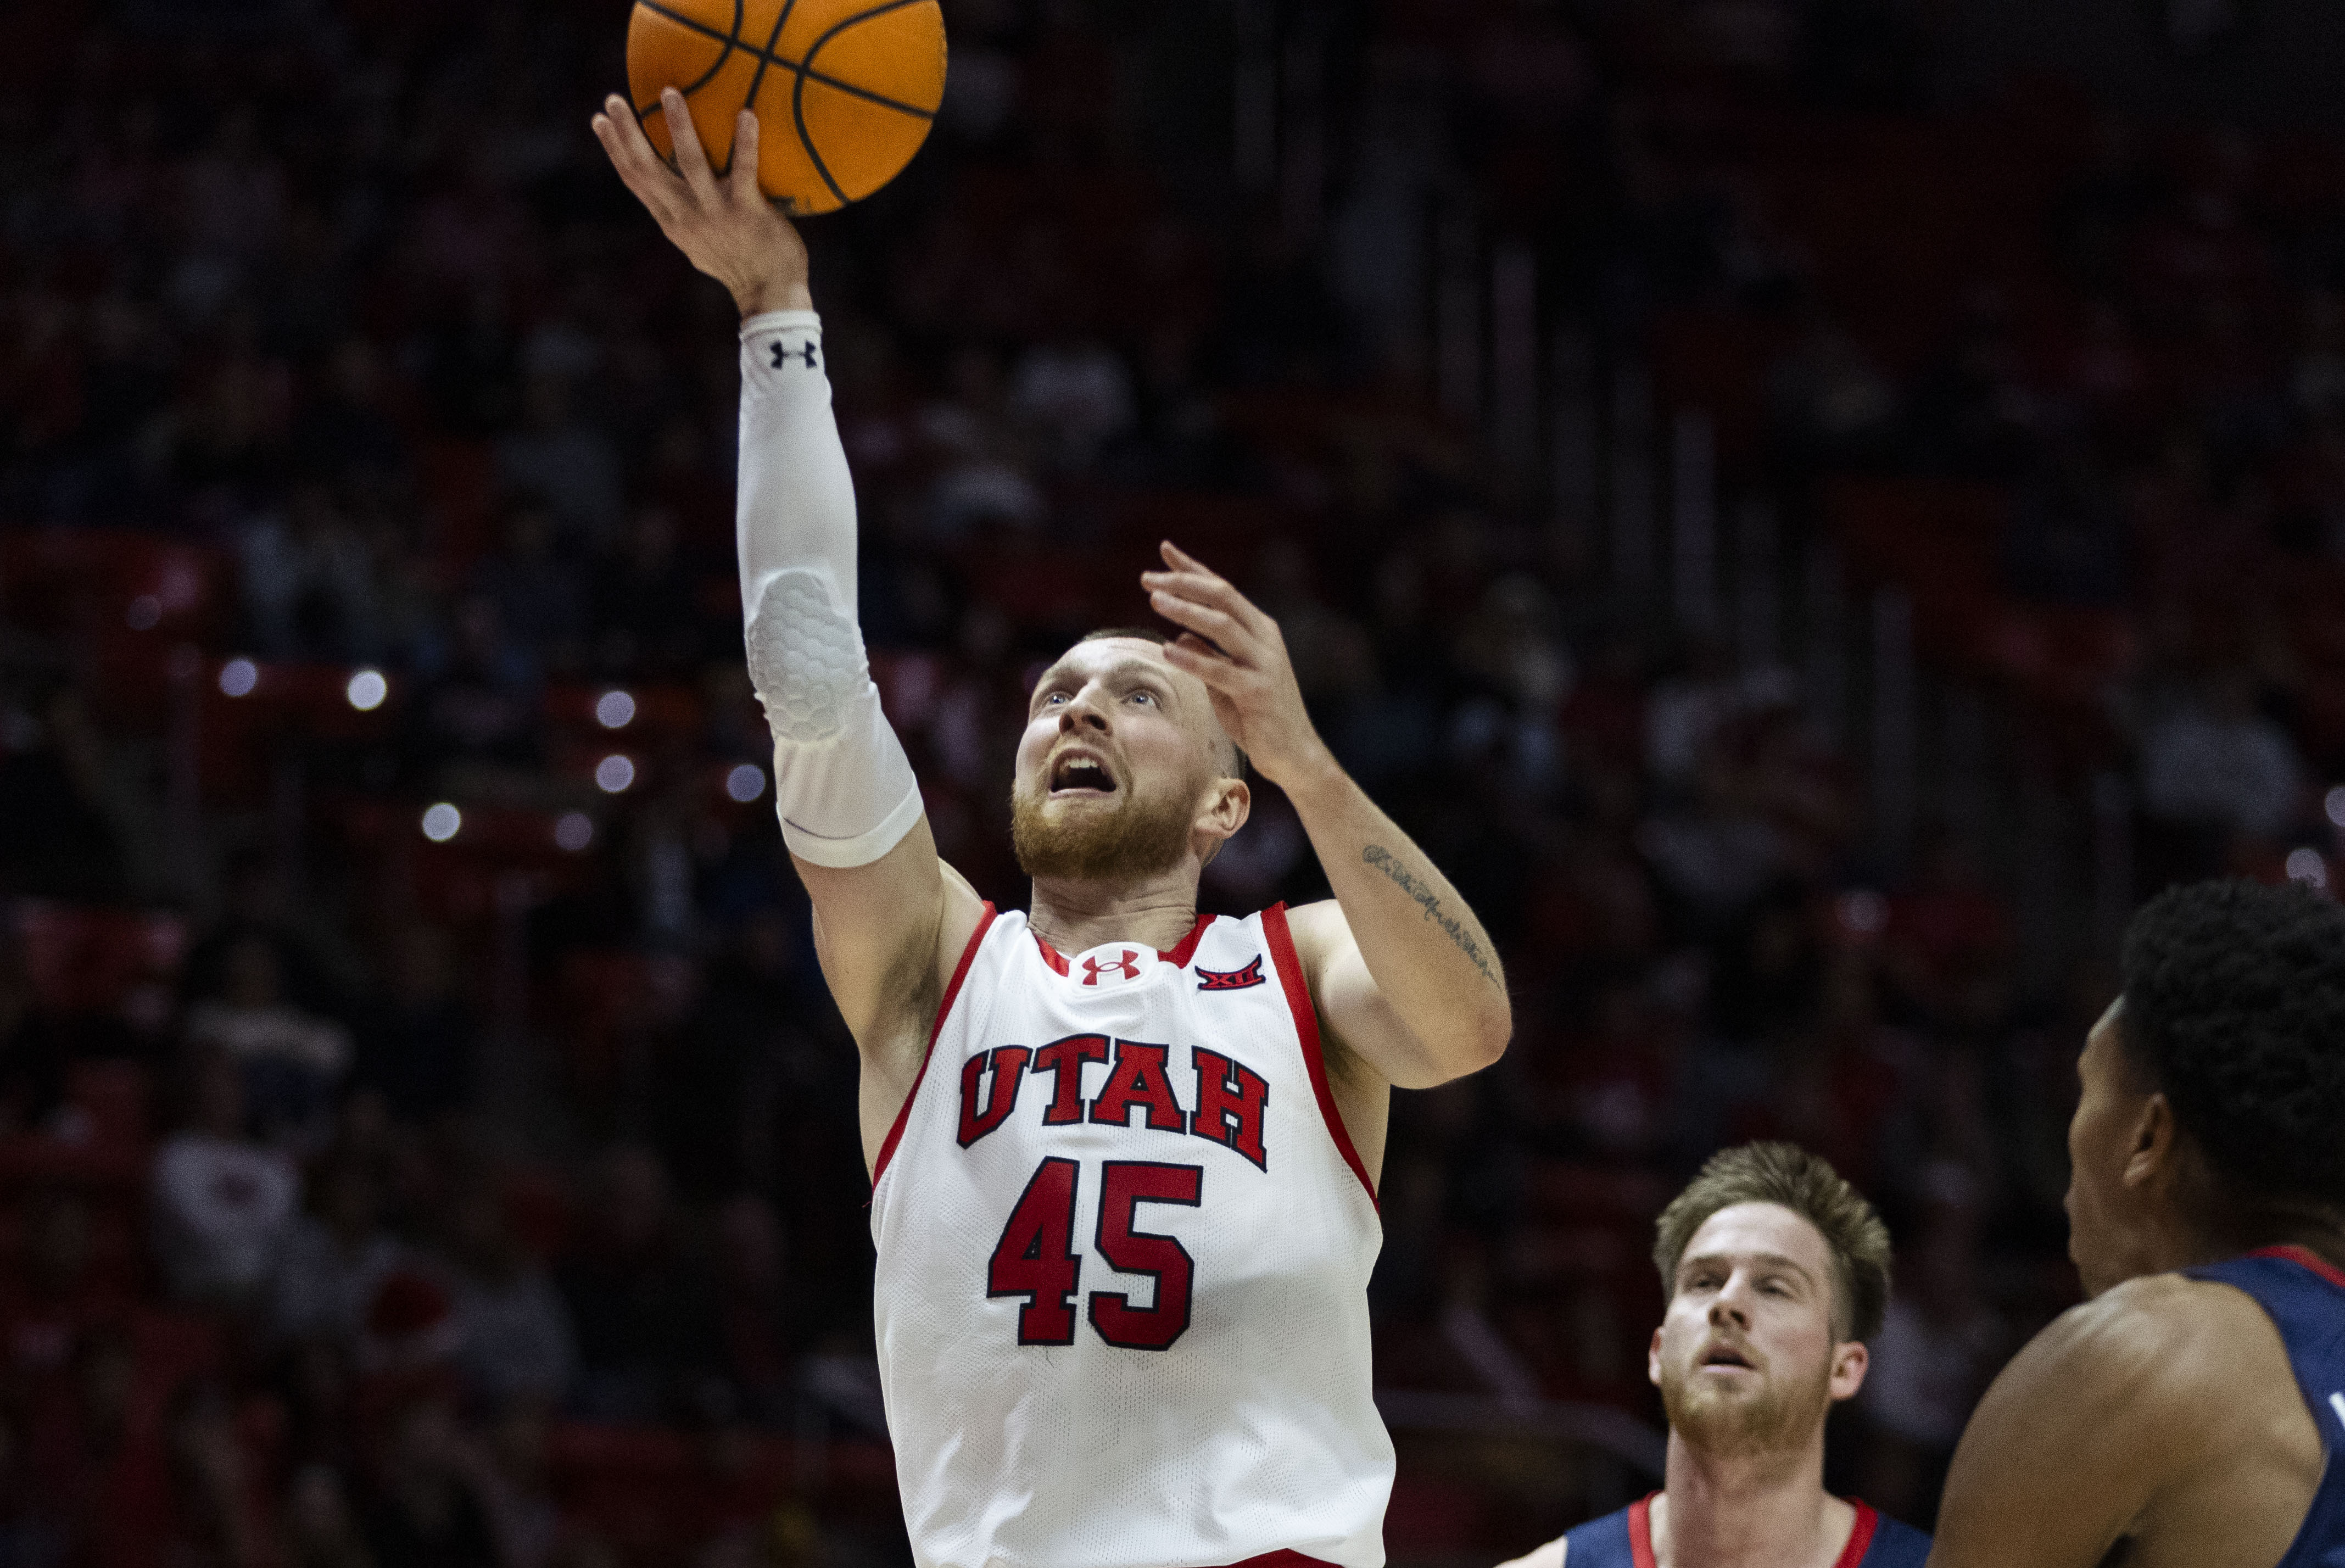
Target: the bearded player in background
(1123, 1157)
(1777, 1272)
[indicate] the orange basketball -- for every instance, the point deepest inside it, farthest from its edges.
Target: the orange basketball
(844, 90)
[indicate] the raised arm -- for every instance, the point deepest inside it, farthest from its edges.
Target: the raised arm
(888, 917)
(1403, 973)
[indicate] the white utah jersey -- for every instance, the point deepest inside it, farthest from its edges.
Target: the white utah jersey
(1124, 1245)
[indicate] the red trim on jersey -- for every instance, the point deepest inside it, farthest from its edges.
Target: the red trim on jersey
(1051, 955)
(2309, 1259)
(1183, 951)
(1186, 949)
(952, 993)
(1640, 1532)
(1282, 1560)
(1860, 1535)
(1306, 1025)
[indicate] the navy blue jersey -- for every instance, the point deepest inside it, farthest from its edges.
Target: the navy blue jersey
(1625, 1540)
(2305, 1299)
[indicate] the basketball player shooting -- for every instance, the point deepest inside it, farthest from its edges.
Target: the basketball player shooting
(1123, 1157)
(2193, 1410)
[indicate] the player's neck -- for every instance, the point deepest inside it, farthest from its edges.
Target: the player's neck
(2210, 1222)
(1075, 916)
(1747, 1511)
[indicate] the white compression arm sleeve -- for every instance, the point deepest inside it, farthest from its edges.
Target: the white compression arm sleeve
(842, 784)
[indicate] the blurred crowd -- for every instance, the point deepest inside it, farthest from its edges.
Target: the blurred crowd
(427, 1138)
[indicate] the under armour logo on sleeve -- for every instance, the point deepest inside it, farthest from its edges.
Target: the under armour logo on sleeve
(782, 352)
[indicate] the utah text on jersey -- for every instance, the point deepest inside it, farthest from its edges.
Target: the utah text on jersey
(1124, 1244)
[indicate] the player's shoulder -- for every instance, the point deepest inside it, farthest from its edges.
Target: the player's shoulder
(2161, 1342)
(1317, 923)
(1321, 934)
(1307, 936)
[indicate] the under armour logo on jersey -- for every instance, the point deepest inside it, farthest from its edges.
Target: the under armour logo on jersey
(1232, 979)
(1128, 966)
(782, 352)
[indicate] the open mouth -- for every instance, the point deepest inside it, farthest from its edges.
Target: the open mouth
(1076, 774)
(1726, 1356)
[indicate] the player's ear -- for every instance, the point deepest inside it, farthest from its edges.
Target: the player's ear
(1220, 814)
(1653, 1361)
(1850, 1362)
(1228, 804)
(2150, 1149)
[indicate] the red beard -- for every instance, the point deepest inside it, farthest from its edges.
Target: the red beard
(1141, 836)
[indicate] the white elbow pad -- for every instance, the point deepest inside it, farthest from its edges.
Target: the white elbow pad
(842, 784)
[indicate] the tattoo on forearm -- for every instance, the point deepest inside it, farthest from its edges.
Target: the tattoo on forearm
(1429, 902)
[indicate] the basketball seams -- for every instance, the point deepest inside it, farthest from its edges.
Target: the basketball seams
(732, 42)
(844, 23)
(775, 58)
(797, 93)
(765, 56)
(865, 94)
(806, 140)
(770, 57)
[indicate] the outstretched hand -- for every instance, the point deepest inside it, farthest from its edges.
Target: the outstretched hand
(1237, 651)
(725, 226)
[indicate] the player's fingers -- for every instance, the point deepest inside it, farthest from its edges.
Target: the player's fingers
(1218, 627)
(742, 177)
(691, 158)
(628, 125)
(1180, 560)
(630, 152)
(1201, 658)
(1195, 655)
(1226, 593)
(1205, 588)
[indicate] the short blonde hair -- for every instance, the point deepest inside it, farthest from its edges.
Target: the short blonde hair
(1789, 1176)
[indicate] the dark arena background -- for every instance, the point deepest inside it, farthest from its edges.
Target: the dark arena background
(1810, 510)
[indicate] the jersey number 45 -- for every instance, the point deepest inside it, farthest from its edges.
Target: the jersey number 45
(1036, 1257)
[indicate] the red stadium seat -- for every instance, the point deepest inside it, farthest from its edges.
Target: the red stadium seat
(113, 1175)
(58, 579)
(600, 1000)
(1718, 361)
(116, 1098)
(1566, 1191)
(129, 597)
(656, 1491)
(909, 682)
(1436, 1516)
(82, 959)
(457, 880)
(244, 705)
(459, 479)
(661, 722)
